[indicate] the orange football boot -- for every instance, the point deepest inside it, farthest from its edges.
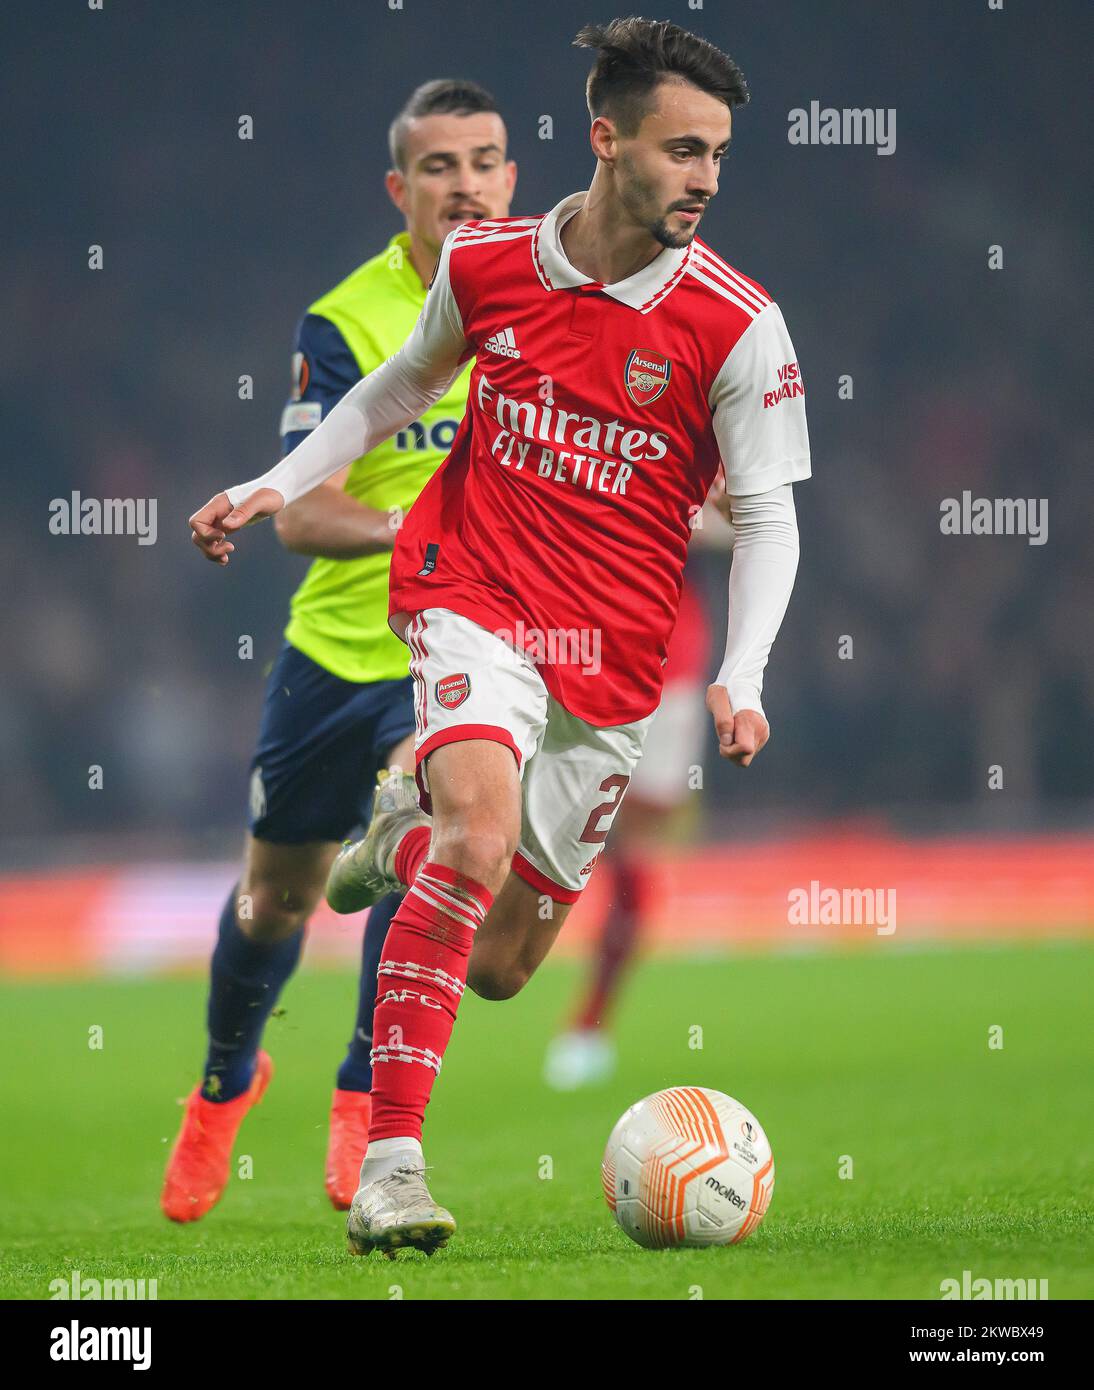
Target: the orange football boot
(350, 1114)
(197, 1171)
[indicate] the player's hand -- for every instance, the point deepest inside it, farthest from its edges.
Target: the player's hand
(741, 735)
(218, 519)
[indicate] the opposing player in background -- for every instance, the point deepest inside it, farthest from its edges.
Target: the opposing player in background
(339, 700)
(618, 363)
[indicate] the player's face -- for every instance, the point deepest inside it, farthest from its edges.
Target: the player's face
(456, 172)
(668, 173)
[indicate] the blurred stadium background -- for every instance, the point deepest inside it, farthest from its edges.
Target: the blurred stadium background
(968, 651)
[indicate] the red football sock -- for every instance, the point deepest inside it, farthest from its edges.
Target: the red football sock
(410, 853)
(421, 980)
(617, 942)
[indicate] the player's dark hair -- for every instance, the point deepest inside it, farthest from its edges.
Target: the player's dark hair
(445, 96)
(636, 54)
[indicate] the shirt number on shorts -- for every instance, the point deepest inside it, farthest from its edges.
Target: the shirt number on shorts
(617, 785)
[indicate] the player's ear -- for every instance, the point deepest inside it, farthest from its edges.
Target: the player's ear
(602, 138)
(395, 183)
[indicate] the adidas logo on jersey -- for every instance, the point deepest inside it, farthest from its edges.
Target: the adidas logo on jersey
(503, 343)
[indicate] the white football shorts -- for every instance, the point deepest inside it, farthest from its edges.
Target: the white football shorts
(468, 684)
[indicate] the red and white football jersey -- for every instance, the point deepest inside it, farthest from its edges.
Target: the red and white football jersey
(596, 420)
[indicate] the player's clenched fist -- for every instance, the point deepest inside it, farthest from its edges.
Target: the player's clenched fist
(212, 524)
(740, 736)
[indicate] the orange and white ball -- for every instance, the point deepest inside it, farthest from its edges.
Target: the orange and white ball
(688, 1166)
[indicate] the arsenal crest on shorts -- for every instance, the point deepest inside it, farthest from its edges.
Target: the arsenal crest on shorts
(453, 690)
(646, 374)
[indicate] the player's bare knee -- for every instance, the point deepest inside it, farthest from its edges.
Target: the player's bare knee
(482, 853)
(497, 982)
(268, 913)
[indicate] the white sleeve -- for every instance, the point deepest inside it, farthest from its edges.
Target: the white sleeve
(761, 577)
(380, 404)
(758, 400)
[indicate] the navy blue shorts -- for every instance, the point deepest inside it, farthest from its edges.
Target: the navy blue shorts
(321, 743)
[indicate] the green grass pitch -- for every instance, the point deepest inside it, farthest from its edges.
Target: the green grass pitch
(965, 1157)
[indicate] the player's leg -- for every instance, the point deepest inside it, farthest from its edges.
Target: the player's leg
(304, 792)
(524, 920)
(258, 945)
(355, 1073)
(309, 768)
(481, 707)
(351, 1102)
(351, 1099)
(422, 975)
(470, 766)
(475, 912)
(572, 791)
(512, 944)
(475, 790)
(573, 788)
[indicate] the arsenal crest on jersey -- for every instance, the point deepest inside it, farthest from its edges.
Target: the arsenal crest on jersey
(453, 690)
(646, 374)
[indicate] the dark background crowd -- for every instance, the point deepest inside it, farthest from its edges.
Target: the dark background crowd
(968, 651)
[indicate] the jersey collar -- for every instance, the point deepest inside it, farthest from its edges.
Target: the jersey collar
(642, 291)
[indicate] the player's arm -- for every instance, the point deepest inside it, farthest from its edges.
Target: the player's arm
(764, 451)
(326, 521)
(382, 403)
(761, 579)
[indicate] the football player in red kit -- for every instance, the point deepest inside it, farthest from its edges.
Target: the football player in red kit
(619, 361)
